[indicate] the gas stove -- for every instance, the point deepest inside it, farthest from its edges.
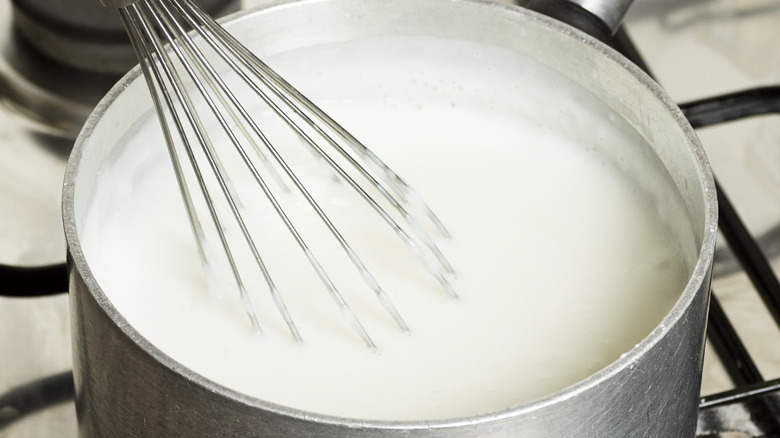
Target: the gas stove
(698, 50)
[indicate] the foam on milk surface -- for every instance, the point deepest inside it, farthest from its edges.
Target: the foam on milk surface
(562, 266)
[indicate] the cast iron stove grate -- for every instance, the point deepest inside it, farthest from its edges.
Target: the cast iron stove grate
(753, 407)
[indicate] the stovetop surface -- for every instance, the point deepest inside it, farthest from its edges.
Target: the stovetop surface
(696, 49)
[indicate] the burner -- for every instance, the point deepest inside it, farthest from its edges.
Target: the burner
(84, 34)
(44, 101)
(78, 33)
(38, 121)
(59, 59)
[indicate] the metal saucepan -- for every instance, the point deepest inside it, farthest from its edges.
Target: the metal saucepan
(127, 387)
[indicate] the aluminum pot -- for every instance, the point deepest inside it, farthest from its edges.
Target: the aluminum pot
(127, 387)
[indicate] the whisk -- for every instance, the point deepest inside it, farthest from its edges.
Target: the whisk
(185, 56)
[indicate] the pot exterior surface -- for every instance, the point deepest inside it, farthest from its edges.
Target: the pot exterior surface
(127, 387)
(123, 391)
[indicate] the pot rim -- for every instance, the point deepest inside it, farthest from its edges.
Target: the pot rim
(700, 273)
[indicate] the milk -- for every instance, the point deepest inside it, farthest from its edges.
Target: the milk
(561, 262)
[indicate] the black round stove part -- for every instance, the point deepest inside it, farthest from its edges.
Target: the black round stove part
(85, 35)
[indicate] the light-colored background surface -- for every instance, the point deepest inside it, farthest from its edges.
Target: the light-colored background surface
(695, 48)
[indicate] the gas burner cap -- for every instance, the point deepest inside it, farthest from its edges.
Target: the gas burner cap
(53, 97)
(84, 34)
(79, 34)
(44, 102)
(58, 59)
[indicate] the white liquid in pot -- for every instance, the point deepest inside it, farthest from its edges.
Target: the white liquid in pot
(562, 264)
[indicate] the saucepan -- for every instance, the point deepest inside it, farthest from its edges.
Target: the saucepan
(125, 386)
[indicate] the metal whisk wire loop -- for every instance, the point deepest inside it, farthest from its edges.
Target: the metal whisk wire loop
(177, 68)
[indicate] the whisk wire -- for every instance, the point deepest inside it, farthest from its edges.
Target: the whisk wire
(270, 77)
(282, 89)
(154, 41)
(163, 19)
(149, 48)
(368, 278)
(216, 81)
(184, 41)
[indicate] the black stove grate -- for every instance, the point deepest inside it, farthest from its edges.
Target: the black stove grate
(753, 408)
